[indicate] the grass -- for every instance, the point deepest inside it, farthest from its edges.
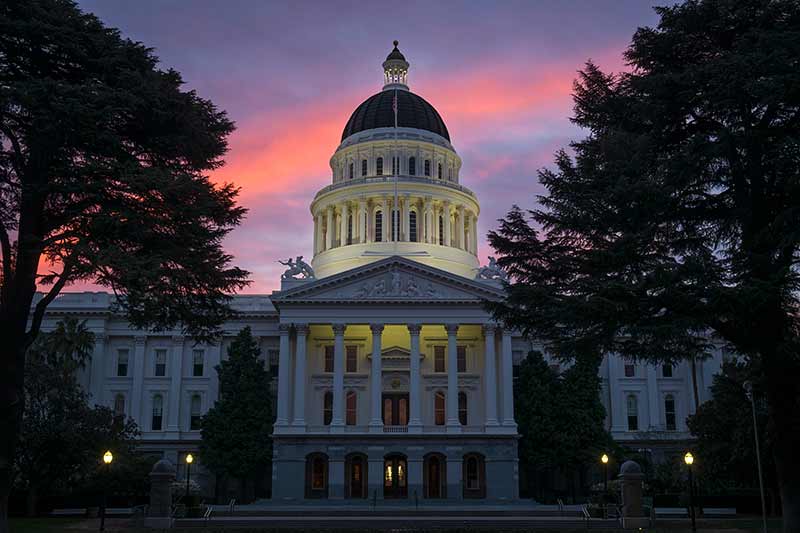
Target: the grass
(41, 525)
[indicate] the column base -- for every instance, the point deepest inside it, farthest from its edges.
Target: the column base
(491, 423)
(453, 428)
(415, 428)
(337, 427)
(375, 427)
(508, 427)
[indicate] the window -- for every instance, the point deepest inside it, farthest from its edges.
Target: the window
(197, 363)
(349, 229)
(438, 408)
(633, 413)
(329, 359)
(378, 226)
(327, 408)
(666, 371)
(474, 468)
(379, 166)
(351, 359)
(669, 412)
(462, 408)
(441, 230)
(317, 475)
(412, 226)
(122, 362)
(630, 370)
(412, 166)
(194, 410)
(440, 171)
(438, 358)
(352, 171)
(161, 363)
(427, 167)
(351, 411)
(461, 358)
(363, 167)
(158, 412)
(119, 405)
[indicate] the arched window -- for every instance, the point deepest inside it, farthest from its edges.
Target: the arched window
(474, 472)
(427, 167)
(669, 412)
(378, 226)
(349, 229)
(438, 408)
(434, 476)
(441, 230)
(195, 411)
(440, 171)
(379, 166)
(633, 413)
(317, 475)
(412, 226)
(462, 408)
(327, 408)
(158, 412)
(363, 167)
(352, 170)
(119, 405)
(412, 166)
(395, 476)
(351, 413)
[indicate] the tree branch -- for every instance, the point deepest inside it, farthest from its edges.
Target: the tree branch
(5, 248)
(18, 159)
(41, 306)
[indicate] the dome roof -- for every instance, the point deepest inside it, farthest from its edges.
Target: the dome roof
(395, 54)
(412, 112)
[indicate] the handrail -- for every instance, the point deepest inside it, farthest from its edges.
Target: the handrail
(232, 506)
(390, 179)
(586, 515)
(560, 506)
(207, 513)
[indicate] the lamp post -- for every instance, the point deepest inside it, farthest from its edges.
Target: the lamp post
(107, 458)
(748, 389)
(689, 460)
(189, 461)
(604, 460)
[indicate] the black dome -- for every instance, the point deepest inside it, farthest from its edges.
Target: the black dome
(412, 112)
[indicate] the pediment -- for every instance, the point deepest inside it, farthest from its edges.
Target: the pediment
(394, 279)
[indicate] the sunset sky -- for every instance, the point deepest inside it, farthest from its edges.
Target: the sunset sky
(290, 73)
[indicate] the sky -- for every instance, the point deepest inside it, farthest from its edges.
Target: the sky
(289, 74)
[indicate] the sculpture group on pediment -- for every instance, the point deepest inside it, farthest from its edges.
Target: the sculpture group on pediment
(492, 271)
(297, 269)
(403, 286)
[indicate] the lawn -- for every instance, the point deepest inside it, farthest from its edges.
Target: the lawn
(42, 525)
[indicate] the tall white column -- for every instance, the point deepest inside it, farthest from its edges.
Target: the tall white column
(460, 228)
(490, 374)
(362, 221)
(474, 220)
(316, 235)
(453, 425)
(387, 220)
(654, 418)
(137, 399)
(175, 375)
(415, 417)
(99, 368)
(435, 235)
(428, 218)
(329, 230)
(299, 408)
(508, 381)
(337, 421)
(343, 231)
(376, 380)
(406, 235)
(284, 373)
(446, 217)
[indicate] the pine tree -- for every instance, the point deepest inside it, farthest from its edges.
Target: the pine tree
(236, 430)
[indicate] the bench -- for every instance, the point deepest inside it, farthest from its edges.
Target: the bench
(719, 512)
(671, 512)
(68, 512)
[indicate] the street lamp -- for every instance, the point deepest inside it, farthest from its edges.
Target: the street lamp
(604, 460)
(689, 460)
(107, 458)
(189, 461)
(748, 389)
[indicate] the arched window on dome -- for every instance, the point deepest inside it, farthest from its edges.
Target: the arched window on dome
(427, 167)
(412, 166)
(378, 226)
(440, 171)
(412, 226)
(352, 170)
(349, 229)
(379, 167)
(363, 167)
(441, 230)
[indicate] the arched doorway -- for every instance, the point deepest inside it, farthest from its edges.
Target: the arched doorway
(395, 476)
(316, 475)
(355, 476)
(435, 476)
(474, 476)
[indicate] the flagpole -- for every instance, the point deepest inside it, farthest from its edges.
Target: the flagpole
(396, 168)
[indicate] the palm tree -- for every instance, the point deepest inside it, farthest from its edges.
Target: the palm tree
(68, 346)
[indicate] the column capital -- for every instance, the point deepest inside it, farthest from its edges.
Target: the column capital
(414, 329)
(489, 328)
(338, 329)
(301, 329)
(283, 329)
(178, 340)
(451, 329)
(376, 328)
(138, 340)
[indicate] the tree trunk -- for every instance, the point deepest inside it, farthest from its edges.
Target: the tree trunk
(12, 362)
(31, 501)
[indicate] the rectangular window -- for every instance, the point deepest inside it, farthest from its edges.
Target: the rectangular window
(378, 226)
(161, 363)
(461, 358)
(630, 370)
(272, 357)
(351, 361)
(632, 405)
(669, 412)
(666, 371)
(363, 167)
(195, 412)
(438, 358)
(438, 408)
(158, 412)
(198, 357)
(122, 362)
(427, 167)
(351, 412)
(379, 166)
(351, 171)
(329, 359)
(327, 408)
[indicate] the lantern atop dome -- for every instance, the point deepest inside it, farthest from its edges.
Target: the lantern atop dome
(395, 70)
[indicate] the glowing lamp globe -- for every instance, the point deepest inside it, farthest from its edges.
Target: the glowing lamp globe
(688, 458)
(108, 457)
(604, 459)
(189, 458)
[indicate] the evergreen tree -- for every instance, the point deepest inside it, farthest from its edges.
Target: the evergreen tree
(236, 430)
(104, 162)
(673, 224)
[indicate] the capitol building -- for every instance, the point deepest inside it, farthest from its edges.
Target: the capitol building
(391, 379)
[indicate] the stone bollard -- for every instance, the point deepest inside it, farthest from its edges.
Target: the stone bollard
(630, 473)
(161, 478)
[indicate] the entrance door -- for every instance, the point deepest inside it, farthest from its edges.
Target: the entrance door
(356, 476)
(434, 470)
(395, 409)
(395, 477)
